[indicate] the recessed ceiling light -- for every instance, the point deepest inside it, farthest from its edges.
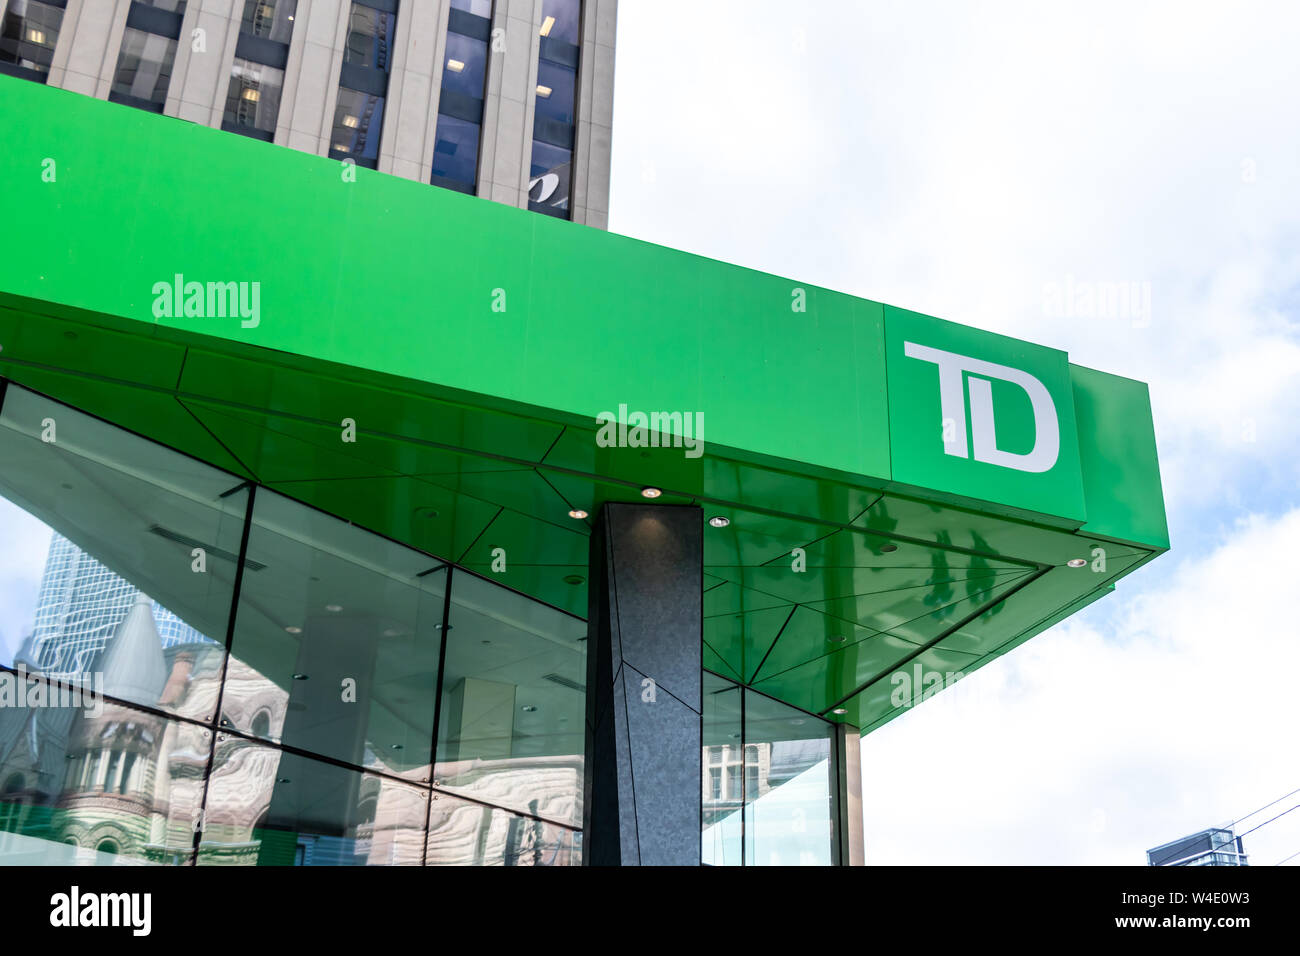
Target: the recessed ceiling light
(299, 676)
(455, 66)
(350, 121)
(573, 579)
(840, 710)
(395, 747)
(546, 26)
(888, 548)
(529, 708)
(719, 522)
(251, 94)
(651, 492)
(577, 513)
(1077, 562)
(294, 629)
(333, 608)
(838, 639)
(543, 91)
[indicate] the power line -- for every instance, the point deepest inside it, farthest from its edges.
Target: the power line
(1264, 807)
(1291, 857)
(1268, 821)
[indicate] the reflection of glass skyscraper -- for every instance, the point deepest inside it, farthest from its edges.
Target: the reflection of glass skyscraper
(79, 606)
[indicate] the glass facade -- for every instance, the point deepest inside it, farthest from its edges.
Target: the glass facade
(194, 670)
(144, 63)
(460, 103)
(28, 31)
(257, 75)
(766, 780)
(363, 82)
(555, 103)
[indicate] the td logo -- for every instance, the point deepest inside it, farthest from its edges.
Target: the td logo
(953, 372)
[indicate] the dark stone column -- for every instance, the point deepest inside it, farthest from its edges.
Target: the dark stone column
(642, 786)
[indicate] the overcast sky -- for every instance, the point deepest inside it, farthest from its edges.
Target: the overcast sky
(968, 160)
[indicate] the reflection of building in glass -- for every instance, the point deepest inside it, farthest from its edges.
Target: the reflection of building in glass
(80, 604)
(128, 785)
(1217, 846)
(118, 782)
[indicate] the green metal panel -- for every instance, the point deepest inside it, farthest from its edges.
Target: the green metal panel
(1117, 444)
(860, 544)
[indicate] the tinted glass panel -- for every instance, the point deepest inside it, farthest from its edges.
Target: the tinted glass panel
(358, 121)
(555, 92)
(723, 796)
(336, 641)
(549, 185)
(269, 19)
(455, 154)
(787, 785)
(480, 8)
(144, 67)
(465, 66)
(28, 34)
(472, 834)
(253, 98)
(370, 38)
(511, 730)
(119, 559)
(560, 20)
(269, 808)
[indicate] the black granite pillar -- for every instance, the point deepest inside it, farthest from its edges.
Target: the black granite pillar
(642, 788)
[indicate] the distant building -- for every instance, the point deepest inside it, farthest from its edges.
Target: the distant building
(1214, 847)
(80, 605)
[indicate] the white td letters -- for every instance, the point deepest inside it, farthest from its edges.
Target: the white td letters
(952, 405)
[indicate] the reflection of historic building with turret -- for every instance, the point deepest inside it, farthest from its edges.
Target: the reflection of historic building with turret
(119, 782)
(127, 785)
